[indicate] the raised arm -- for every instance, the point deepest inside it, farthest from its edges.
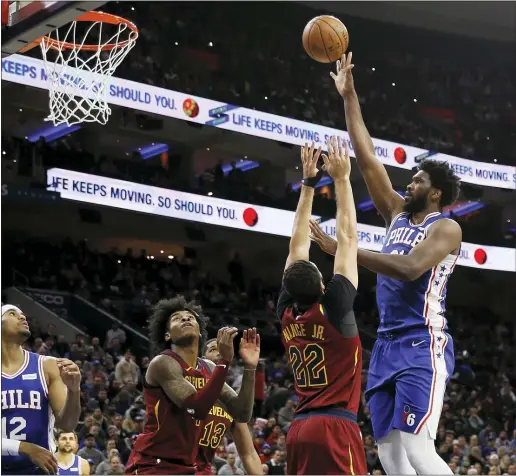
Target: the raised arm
(246, 450)
(164, 371)
(444, 238)
(240, 405)
(64, 391)
(300, 241)
(385, 198)
(337, 164)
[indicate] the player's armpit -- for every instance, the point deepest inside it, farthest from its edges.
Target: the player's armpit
(337, 305)
(284, 301)
(444, 237)
(65, 404)
(246, 450)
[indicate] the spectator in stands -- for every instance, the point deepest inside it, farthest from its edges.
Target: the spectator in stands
(103, 467)
(115, 465)
(230, 466)
(116, 332)
(89, 452)
(126, 371)
(276, 464)
(286, 414)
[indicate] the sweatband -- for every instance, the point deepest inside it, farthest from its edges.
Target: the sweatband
(200, 402)
(10, 307)
(10, 447)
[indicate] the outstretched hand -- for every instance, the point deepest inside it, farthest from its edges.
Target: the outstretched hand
(325, 241)
(337, 162)
(309, 160)
(250, 348)
(344, 77)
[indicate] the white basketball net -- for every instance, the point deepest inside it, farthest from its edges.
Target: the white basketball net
(78, 80)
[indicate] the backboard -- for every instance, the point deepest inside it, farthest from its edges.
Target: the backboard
(30, 20)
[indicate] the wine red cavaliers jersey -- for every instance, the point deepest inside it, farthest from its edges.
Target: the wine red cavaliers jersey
(170, 434)
(324, 348)
(212, 433)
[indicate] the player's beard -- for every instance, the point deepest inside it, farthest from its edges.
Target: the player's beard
(415, 204)
(24, 335)
(66, 450)
(185, 341)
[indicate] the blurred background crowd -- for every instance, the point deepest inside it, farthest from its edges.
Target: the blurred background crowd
(440, 98)
(457, 96)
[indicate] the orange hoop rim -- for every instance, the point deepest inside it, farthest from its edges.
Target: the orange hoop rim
(93, 17)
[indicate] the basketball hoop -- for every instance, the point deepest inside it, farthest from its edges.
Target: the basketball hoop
(78, 75)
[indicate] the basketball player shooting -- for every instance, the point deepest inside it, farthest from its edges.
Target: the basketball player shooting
(68, 462)
(413, 358)
(37, 391)
(319, 332)
(218, 422)
(180, 389)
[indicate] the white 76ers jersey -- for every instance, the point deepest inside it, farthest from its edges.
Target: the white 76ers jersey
(408, 305)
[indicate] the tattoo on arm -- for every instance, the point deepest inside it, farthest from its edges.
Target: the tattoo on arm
(240, 406)
(166, 372)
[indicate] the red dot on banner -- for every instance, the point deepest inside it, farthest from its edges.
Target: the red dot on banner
(480, 256)
(250, 217)
(190, 107)
(400, 155)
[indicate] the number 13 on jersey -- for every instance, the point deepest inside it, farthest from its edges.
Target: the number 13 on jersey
(308, 365)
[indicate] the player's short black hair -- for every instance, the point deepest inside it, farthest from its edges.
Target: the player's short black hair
(442, 178)
(159, 319)
(206, 344)
(302, 281)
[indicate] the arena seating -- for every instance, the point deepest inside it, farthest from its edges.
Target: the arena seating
(447, 94)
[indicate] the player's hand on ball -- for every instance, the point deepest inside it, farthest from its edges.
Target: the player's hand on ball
(325, 241)
(344, 77)
(337, 162)
(309, 160)
(70, 374)
(41, 457)
(250, 349)
(225, 338)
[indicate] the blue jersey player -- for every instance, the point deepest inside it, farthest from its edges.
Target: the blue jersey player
(68, 462)
(37, 393)
(412, 359)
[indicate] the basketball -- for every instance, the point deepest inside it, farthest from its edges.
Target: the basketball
(325, 39)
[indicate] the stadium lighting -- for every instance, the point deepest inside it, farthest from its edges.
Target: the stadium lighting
(210, 194)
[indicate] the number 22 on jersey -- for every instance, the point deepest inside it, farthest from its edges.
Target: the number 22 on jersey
(308, 365)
